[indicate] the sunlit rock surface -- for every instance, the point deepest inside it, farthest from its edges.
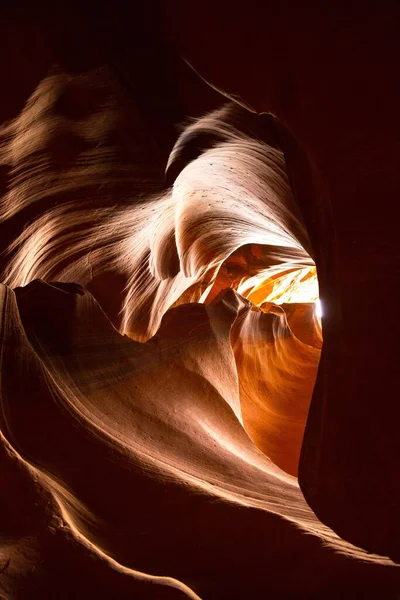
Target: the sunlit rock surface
(328, 75)
(135, 460)
(161, 338)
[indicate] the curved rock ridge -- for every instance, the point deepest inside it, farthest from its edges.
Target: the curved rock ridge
(133, 457)
(159, 348)
(277, 373)
(157, 249)
(328, 75)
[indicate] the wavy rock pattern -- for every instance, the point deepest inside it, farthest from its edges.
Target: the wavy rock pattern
(159, 351)
(135, 461)
(328, 76)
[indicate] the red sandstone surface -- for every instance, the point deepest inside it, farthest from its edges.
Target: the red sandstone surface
(184, 186)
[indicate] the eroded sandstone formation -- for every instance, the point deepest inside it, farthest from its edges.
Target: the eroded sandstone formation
(165, 374)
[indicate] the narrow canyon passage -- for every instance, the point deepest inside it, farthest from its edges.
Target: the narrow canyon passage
(173, 417)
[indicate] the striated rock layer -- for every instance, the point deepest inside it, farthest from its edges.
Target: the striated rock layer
(328, 74)
(128, 463)
(159, 349)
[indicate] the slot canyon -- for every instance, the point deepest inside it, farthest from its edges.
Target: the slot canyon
(199, 258)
